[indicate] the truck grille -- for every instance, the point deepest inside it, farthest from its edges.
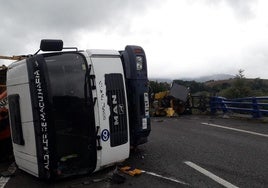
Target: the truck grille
(117, 102)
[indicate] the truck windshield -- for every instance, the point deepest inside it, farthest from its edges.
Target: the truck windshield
(73, 120)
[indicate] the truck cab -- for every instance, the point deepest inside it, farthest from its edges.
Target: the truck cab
(69, 111)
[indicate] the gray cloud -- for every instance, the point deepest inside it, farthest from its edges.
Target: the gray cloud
(243, 9)
(24, 22)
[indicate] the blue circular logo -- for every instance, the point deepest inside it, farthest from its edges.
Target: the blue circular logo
(105, 135)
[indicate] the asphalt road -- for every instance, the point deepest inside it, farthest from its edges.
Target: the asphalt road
(188, 151)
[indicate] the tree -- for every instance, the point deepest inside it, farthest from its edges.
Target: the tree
(258, 84)
(193, 85)
(240, 74)
(156, 86)
(239, 88)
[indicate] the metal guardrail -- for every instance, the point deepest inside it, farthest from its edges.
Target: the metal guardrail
(256, 106)
(200, 103)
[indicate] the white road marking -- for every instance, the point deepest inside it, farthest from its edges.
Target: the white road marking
(3, 181)
(166, 178)
(234, 129)
(210, 175)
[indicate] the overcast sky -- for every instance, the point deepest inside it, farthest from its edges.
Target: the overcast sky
(181, 38)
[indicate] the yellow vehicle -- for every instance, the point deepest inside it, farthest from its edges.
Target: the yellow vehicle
(170, 103)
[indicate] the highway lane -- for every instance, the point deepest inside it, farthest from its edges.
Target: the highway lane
(239, 158)
(188, 151)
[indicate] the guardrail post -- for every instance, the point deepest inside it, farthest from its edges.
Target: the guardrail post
(223, 105)
(218, 103)
(212, 104)
(255, 112)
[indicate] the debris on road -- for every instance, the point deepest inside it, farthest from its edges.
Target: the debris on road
(130, 171)
(10, 171)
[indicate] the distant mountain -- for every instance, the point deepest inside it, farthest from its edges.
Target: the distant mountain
(214, 77)
(161, 80)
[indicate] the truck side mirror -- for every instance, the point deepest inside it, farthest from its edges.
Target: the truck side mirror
(51, 45)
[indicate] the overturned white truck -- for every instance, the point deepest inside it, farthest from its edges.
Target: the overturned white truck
(74, 112)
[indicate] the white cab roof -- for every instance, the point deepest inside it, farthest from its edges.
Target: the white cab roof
(102, 52)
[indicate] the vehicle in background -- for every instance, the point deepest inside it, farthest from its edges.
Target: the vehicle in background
(172, 102)
(5, 136)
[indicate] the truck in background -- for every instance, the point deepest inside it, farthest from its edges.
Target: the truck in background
(75, 112)
(5, 139)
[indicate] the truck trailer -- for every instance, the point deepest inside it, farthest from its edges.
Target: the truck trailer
(74, 112)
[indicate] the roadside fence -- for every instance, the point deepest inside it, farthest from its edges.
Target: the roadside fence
(256, 106)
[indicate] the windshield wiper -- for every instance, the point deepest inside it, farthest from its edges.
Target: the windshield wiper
(89, 81)
(86, 83)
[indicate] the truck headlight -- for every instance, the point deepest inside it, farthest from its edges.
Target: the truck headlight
(139, 62)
